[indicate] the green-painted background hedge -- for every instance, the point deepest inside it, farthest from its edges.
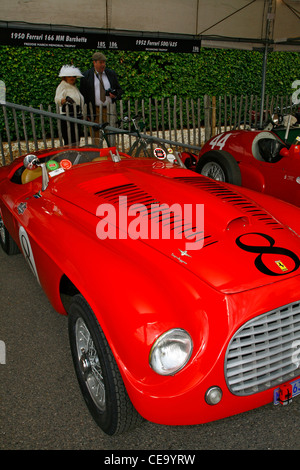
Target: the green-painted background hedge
(31, 74)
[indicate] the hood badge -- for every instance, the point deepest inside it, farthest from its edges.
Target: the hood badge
(182, 253)
(22, 207)
(281, 265)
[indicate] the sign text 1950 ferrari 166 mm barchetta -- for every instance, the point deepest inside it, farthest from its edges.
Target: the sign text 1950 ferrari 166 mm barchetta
(182, 293)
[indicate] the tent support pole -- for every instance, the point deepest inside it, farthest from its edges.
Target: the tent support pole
(263, 87)
(269, 24)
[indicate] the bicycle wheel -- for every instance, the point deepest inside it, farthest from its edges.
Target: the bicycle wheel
(145, 149)
(133, 149)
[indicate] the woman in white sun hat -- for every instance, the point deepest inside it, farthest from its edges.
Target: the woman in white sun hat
(68, 95)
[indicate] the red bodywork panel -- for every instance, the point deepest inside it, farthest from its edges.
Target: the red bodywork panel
(280, 179)
(248, 265)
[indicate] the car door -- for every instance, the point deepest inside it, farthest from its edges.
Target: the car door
(282, 179)
(13, 200)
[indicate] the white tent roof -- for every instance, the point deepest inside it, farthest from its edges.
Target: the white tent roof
(217, 23)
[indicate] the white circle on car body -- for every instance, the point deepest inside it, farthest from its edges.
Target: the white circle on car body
(27, 251)
(171, 158)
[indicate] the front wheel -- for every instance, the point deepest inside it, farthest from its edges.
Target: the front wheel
(7, 243)
(97, 372)
(220, 166)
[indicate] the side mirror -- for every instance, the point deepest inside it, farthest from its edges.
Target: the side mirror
(31, 162)
(284, 152)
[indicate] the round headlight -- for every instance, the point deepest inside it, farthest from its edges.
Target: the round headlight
(171, 351)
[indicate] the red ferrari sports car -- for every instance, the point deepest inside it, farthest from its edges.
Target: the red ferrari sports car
(182, 293)
(257, 160)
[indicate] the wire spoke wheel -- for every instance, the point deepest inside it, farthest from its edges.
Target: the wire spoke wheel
(89, 363)
(220, 166)
(97, 372)
(2, 231)
(7, 243)
(214, 171)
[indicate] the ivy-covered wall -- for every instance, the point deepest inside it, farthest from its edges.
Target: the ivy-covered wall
(31, 74)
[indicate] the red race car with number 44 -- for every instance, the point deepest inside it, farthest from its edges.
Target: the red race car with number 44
(182, 293)
(257, 160)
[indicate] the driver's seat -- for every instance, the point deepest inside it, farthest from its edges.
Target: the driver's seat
(270, 150)
(30, 175)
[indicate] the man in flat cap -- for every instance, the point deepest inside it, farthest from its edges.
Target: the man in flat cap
(101, 89)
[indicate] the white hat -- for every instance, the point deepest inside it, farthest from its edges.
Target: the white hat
(70, 71)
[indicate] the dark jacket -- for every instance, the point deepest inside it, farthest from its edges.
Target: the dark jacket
(87, 87)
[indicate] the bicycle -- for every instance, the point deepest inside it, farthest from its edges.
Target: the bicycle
(143, 146)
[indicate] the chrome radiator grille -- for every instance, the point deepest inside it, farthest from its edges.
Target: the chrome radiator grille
(262, 352)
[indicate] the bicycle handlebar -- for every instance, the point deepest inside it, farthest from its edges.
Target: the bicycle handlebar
(129, 119)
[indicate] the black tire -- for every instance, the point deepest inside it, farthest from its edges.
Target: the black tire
(221, 166)
(96, 369)
(7, 243)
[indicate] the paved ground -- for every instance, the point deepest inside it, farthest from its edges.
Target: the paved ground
(41, 406)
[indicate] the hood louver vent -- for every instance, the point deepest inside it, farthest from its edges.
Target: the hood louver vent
(161, 215)
(134, 195)
(233, 198)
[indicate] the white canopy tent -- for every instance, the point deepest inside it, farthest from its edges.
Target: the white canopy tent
(217, 23)
(158, 25)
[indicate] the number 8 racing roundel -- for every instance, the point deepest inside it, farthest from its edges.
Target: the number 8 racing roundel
(270, 256)
(27, 251)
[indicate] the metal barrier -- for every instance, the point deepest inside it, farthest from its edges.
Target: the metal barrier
(175, 121)
(16, 146)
